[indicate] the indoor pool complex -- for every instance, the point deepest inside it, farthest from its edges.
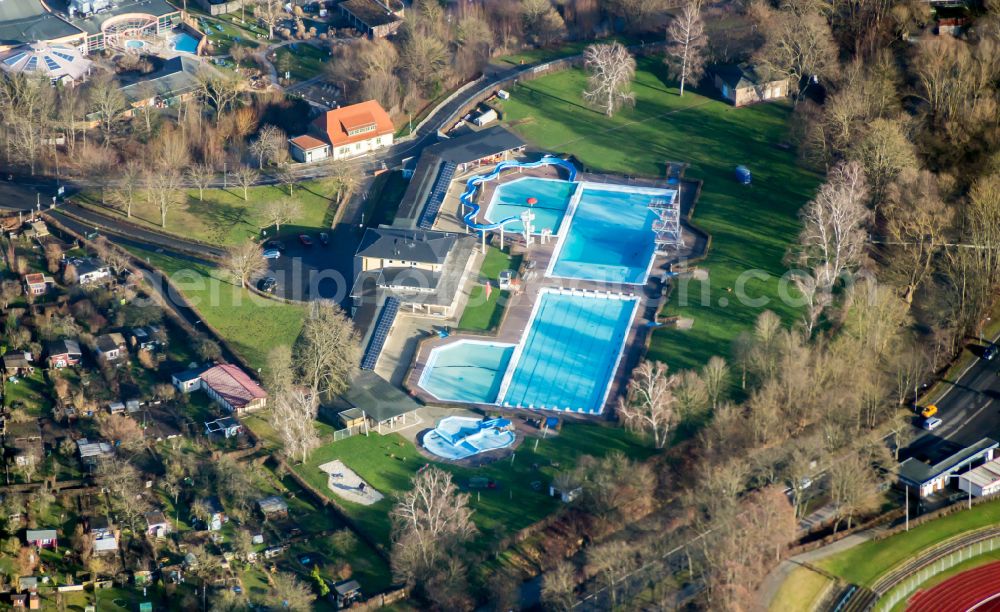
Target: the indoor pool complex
(565, 359)
(461, 437)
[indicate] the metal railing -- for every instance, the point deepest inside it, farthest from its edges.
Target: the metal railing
(907, 587)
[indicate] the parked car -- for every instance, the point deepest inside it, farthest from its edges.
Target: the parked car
(275, 245)
(929, 411)
(324, 238)
(932, 423)
(305, 240)
(267, 284)
(272, 254)
(990, 352)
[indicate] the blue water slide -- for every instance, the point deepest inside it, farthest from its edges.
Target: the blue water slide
(474, 182)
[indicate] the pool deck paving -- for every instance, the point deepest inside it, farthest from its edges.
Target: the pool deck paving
(415, 349)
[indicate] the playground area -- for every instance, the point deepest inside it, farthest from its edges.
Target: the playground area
(457, 438)
(343, 481)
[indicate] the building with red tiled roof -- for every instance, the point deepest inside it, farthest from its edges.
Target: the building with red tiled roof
(306, 148)
(37, 284)
(233, 389)
(345, 132)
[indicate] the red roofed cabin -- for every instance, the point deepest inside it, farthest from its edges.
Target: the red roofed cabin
(231, 388)
(344, 132)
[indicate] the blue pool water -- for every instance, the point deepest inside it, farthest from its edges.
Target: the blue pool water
(467, 371)
(566, 360)
(610, 236)
(570, 353)
(511, 199)
(135, 44)
(185, 43)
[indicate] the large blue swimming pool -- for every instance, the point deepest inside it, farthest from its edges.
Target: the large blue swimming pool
(511, 199)
(569, 353)
(564, 361)
(610, 236)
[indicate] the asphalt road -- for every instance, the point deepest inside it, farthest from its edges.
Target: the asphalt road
(970, 411)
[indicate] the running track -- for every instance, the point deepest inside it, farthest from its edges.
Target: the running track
(977, 589)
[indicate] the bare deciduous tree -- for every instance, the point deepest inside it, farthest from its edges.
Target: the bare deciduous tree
(201, 176)
(613, 561)
(128, 184)
(558, 585)
(609, 84)
(245, 178)
(244, 261)
(294, 418)
(833, 240)
(852, 487)
(290, 593)
(648, 406)
(916, 218)
(687, 41)
(429, 521)
(797, 46)
(328, 349)
(271, 141)
(106, 101)
(163, 190)
(281, 211)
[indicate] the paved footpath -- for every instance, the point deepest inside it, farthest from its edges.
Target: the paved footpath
(769, 588)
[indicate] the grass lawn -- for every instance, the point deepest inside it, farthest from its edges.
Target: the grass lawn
(799, 591)
(388, 463)
(303, 63)
(751, 226)
(530, 56)
(864, 563)
(251, 324)
(30, 393)
(483, 313)
(225, 218)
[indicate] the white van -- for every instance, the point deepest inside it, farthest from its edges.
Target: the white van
(932, 423)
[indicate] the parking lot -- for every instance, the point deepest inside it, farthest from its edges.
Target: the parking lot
(318, 271)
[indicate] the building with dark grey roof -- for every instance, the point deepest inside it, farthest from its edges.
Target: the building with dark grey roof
(174, 82)
(384, 407)
(406, 247)
(929, 478)
(374, 18)
(741, 84)
(422, 269)
(28, 21)
(438, 165)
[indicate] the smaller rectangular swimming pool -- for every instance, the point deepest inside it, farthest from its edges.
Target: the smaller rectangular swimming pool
(511, 199)
(466, 371)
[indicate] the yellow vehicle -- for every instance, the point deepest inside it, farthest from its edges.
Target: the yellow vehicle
(928, 411)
